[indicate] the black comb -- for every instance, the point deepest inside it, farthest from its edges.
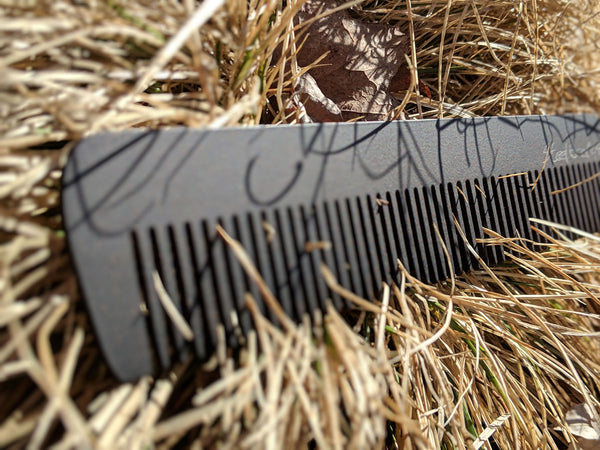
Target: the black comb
(143, 203)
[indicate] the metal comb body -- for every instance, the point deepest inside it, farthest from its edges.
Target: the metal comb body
(143, 202)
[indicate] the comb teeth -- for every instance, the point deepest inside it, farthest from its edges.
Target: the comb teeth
(138, 204)
(207, 284)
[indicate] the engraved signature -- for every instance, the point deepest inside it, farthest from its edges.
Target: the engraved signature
(590, 151)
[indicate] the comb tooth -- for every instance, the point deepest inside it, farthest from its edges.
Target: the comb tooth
(490, 217)
(432, 245)
(536, 198)
(516, 193)
(404, 230)
(534, 206)
(546, 201)
(455, 210)
(504, 211)
(436, 218)
(297, 225)
(170, 276)
(275, 256)
(549, 206)
(349, 248)
(380, 219)
(454, 203)
(510, 206)
(557, 200)
(579, 193)
(261, 262)
(431, 217)
(509, 200)
(195, 292)
(576, 213)
(480, 203)
(585, 196)
(326, 255)
(241, 282)
(245, 237)
(524, 198)
(183, 268)
(572, 200)
(423, 244)
(592, 211)
(444, 229)
(311, 234)
(491, 213)
(446, 225)
(592, 193)
(370, 242)
(466, 223)
(164, 268)
(418, 244)
(158, 347)
(566, 198)
(500, 208)
(147, 254)
(366, 283)
(225, 282)
(214, 301)
(338, 251)
(250, 244)
(207, 296)
(588, 195)
(476, 218)
(292, 281)
(582, 196)
(495, 222)
(298, 264)
(391, 212)
(593, 169)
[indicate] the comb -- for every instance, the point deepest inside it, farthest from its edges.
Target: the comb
(139, 204)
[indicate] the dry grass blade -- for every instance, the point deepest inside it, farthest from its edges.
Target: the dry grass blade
(576, 185)
(171, 310)
(250, 268)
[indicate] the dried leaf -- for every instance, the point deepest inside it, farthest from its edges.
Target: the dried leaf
(402, 79)
(320, 107)
(361, 60)
(581, 423)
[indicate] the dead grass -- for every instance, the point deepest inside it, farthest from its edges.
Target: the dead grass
(424, 366)
(501, 57)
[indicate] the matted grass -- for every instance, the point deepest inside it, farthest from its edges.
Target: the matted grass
(508, 350)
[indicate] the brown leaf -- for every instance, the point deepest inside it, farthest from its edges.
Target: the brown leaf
(362, 58)
(580, 419)
(318, 105)
(402, 79)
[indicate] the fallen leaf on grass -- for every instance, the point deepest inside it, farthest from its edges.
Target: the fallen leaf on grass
(318, 105)
(583, 426)
(361, 60)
